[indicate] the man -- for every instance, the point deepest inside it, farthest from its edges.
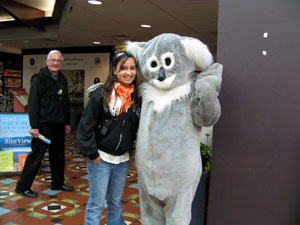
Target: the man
(49, 115)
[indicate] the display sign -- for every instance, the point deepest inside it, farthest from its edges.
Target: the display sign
(13, 82)
(23, 99)
(15, 141)
(13, 73)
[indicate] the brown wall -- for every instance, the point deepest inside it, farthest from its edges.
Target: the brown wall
(255, 176)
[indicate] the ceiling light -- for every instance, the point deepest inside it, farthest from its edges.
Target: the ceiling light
(96, 42)
(95, 2)
(145, 26)
(5, 18)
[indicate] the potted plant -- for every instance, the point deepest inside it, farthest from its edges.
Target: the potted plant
(200, 203)
(206, 154)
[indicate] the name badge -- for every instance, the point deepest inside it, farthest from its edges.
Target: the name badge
(60, 92)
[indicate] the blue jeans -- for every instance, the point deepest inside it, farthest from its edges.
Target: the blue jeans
(105, 179)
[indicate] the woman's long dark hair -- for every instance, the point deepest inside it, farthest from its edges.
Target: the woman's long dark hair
(109, 84)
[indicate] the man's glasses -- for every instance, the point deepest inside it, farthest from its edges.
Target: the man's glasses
(55, 60)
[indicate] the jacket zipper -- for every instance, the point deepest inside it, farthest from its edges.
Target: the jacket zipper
(120, 139)
(59, 85)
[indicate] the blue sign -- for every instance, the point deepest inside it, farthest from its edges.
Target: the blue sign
(14, 137)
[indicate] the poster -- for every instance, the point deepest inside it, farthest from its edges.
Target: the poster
(76, 88)
(13, 82)
(13, 73)
(15, 141)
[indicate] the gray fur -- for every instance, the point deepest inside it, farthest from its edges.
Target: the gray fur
(173, 110)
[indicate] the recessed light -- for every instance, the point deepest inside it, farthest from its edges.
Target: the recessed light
(96, 42)
(145, 26)
(95, 2)
(1, 44)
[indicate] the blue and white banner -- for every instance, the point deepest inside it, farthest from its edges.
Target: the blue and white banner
(15, 140)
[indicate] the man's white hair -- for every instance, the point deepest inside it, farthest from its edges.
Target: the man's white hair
(52, 52)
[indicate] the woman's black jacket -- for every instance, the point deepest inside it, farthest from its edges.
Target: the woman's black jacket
(113, 143)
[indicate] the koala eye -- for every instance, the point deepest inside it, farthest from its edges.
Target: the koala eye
(153, 64)
(168, 60)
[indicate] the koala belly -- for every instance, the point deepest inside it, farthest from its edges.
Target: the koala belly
(168, 150)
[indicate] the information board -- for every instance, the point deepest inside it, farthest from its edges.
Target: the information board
(15, 141)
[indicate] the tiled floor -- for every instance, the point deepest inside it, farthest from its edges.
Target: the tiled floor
(57, 207)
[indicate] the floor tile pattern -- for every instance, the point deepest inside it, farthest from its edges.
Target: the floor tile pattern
(58, 207)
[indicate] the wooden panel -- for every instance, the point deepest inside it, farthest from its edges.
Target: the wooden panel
(255, 176)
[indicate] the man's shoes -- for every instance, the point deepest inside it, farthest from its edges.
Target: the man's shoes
(63, 188)
(27, 193)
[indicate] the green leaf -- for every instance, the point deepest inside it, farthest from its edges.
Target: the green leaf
(206, 155)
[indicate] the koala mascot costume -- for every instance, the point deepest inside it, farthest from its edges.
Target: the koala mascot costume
(177, 102)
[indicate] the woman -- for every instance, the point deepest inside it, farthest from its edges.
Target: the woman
(115, 107)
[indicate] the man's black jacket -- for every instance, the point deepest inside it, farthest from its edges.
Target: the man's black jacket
(48, 99)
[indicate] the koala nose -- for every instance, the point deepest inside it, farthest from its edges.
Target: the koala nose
(161, 75)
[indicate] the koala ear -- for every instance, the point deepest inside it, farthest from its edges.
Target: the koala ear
(134, 48)
(197, 52)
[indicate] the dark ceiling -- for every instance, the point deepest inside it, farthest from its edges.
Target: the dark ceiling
(78, 23)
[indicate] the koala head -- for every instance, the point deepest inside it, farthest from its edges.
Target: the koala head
(169, 60)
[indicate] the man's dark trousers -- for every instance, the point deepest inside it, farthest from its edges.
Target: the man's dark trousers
(56, 133)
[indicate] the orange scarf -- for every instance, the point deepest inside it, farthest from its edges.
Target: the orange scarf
(124, 93)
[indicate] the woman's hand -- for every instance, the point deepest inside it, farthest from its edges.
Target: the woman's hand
(97, 160)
